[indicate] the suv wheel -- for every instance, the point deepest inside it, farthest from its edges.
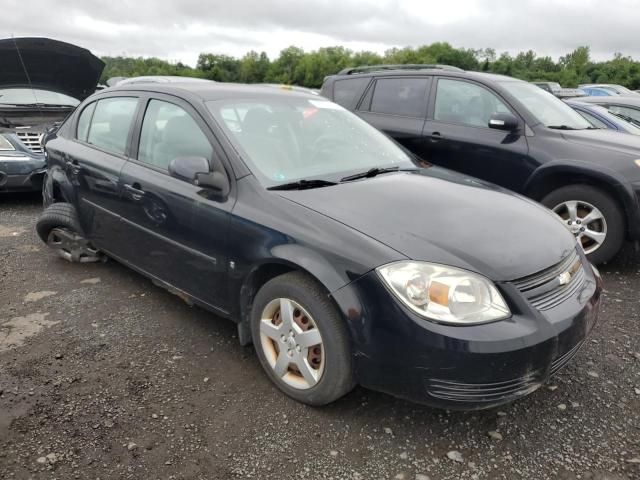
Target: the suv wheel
(301, 339)
(592, 216)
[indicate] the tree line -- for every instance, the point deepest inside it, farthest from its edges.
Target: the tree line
(294, 66)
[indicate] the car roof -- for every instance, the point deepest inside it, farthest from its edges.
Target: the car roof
(207, 91)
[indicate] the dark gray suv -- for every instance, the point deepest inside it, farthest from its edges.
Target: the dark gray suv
(508, 132)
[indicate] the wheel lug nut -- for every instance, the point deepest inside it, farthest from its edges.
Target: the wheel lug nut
(283, 338)
(569, 222)
(289, 352)
(578, 222)
(582, 229)
(298, 349)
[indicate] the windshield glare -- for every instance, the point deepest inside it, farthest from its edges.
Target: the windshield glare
(288, 139)
(27, 96)
(547, 109)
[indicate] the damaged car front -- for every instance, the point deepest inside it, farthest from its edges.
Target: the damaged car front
(41, 82)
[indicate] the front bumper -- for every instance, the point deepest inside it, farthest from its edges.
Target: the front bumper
(471, 367)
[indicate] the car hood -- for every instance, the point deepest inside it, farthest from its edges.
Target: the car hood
(606, 140)
(50, 64)
(439, 216)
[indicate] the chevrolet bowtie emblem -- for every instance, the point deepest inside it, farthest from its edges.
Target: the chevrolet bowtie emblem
(564, 278)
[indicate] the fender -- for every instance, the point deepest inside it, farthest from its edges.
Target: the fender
(56, 180)
(289, 257)
(623, 190)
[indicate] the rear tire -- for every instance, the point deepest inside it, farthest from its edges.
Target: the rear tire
(58, 226)
(593, 216)
(282, 341)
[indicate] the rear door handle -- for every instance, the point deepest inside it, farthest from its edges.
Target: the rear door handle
(73, 166)
(135, 191)
(435, 137)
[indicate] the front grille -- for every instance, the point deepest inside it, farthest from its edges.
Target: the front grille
(483, 392)
(31, 140)
(546, 289)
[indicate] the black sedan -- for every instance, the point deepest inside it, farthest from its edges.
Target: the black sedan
(341, 257)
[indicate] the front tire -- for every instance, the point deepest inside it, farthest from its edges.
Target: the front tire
(593, 216)
(301, 339)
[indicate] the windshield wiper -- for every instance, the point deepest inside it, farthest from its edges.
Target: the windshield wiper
(372, 172)
(303, 185)
(563, 127)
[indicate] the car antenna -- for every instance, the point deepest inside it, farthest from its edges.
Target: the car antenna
(26, 73)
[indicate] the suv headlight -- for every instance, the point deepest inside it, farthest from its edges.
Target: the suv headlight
(445, 294)
(5, 145)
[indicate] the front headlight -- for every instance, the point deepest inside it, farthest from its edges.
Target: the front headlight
(445, 294)
(5, 145)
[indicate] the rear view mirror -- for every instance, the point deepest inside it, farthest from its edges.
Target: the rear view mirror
(196, 170)
(504, 121)
(188, 168)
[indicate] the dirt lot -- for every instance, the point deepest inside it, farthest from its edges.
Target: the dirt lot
(103, 375)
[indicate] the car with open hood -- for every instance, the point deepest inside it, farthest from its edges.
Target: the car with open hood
(342, 257)
(41, 82)
(511, 133)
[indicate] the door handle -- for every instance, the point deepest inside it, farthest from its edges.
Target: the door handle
(73, 166)
(435, 137)
(135, 191)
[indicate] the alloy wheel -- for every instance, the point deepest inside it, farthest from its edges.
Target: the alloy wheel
(292, 343)
(585, 221)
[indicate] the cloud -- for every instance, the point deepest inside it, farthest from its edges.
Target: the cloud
(179, 30)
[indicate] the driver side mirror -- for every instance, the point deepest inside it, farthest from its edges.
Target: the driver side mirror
(196, 170)
(504, 121)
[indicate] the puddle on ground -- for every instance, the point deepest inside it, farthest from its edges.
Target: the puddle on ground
(14, 332)
(35, 296)
(11, 231)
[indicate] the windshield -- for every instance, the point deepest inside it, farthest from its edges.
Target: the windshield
(547, 109)
(28, 96)
(288, 139)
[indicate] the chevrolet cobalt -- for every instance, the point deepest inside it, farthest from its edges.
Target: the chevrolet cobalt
(340, 256)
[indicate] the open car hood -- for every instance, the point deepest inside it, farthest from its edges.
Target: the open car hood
(50, 65)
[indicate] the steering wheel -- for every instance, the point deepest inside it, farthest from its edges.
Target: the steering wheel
(326, 142)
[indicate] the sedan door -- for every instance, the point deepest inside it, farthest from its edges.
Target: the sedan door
(398, 106)
(178, 230)
(93, 162)
(458, 135)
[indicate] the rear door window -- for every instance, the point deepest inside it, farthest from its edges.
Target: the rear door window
(405, 97)
(344, 91)
(169, 132)
(111, 123)
(84, 121)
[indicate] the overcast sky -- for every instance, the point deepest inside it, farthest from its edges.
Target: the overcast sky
(180, 30)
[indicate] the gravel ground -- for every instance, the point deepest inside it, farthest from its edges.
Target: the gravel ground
(103, 375)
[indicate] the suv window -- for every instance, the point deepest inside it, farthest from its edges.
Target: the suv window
(169, 132)
(466, 103)
(344, 91)
(111, 123)
(84, 121)
(400, 96)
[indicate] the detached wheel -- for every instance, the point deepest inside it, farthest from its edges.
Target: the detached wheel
(593, 216)
(59, 228)
(301, 340)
